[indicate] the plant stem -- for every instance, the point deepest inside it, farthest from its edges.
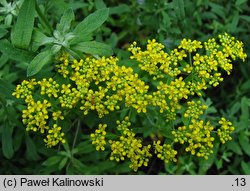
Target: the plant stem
(191, 64)
(76, 135)
(74, 142)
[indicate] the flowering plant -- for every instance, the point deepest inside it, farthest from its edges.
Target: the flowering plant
(171, 84)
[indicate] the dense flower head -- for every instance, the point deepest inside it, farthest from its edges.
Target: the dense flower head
(128, 146)
(54, 136)
(197, 136)
(176, 81)
(194, 109)
(189, 45)
(36, 115)
(225, 130)
(165, 152)
(98, 138)
(49, 87)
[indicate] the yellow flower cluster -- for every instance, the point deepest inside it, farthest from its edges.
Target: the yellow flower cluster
(37, 114)
(198, 137)
(54, 136)
(165, 152)
(194, 109)
(98, 138)
(225, 130)
(103, 86)
(49, 87)
(25, 89)
(129, 146)
(189, 45)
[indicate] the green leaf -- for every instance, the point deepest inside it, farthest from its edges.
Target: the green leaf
(79, 39)
(245, 17)
(14, 53)
(239, 2)
(94, 48)
(124, 113)
(246, 85)
(244, 143)
(3, 32)
(31, 151)
(245, 167)
(22, 32)
(38, 62)
(63, 163)
(92, 22)
(84, 148)
(52, 160)
(234, 147)
(41, 39)
(99, 4)
(233, 25)
(179, 8)
(219, 163)
(244, 117)
(65, 21)
(80, 167)
(218, 9)
(7, 146)
(6, 88)
(122, 8)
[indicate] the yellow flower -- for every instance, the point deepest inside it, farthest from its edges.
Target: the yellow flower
(225, 130)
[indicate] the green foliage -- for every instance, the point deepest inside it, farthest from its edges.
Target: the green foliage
(33, 33)
(22, 31)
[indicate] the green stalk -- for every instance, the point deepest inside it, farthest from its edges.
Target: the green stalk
(74, 142)
(76, 135)
(191, 64)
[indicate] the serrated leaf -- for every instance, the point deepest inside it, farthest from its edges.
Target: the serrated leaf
(94, 48)
(52, 160)
(38, 62)
(14, 53)
(65, 21)
(22, 31)
(7, 146)
(92, 22)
